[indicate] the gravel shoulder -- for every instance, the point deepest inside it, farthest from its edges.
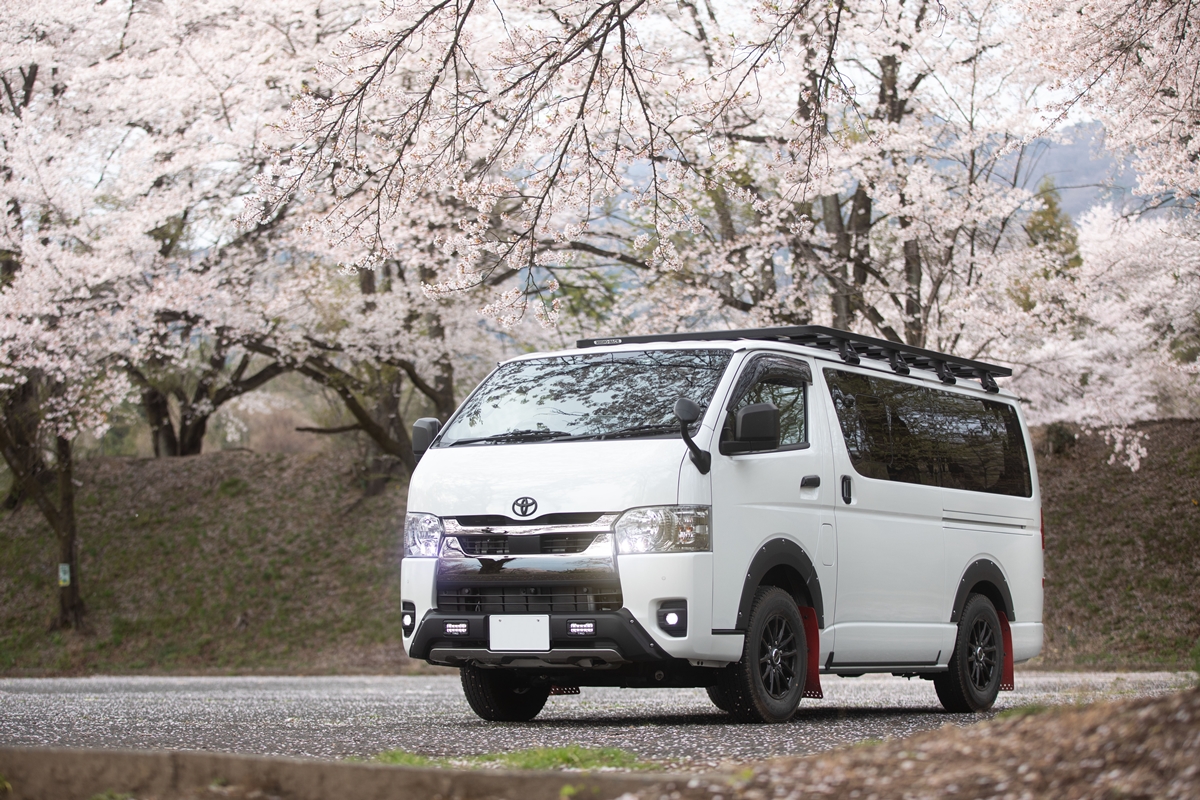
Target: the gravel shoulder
(340, 717)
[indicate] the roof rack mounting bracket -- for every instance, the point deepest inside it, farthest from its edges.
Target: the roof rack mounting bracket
(899, 365)
(944, 374)
(847, 352)
(987, 381)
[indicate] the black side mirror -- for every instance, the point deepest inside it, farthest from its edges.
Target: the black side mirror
(687, 412)
(424, 431)
(756, 428)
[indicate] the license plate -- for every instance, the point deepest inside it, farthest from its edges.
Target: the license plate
(519, 632)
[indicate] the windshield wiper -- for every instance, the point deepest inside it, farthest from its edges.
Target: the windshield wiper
(664, 427)
(514, 437)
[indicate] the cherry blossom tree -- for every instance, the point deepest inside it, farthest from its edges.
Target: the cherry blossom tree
(849, 163)
(127, 138)
(532, 116)
(1135, 64)
(1118, 338)
(916, 207)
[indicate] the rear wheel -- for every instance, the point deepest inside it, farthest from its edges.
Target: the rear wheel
(767, 684)
(501, 695)
(973, 679)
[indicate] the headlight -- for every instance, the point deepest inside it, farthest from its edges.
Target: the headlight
(664, 529)
(422, 533)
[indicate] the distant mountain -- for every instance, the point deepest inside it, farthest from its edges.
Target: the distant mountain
(1084, 172)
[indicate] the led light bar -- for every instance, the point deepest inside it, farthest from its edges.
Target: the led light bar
(581, 627)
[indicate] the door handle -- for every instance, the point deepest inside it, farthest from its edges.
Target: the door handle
(810, 481)
(847, 496)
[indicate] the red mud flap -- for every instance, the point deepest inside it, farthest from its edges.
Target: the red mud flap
(1007, 681)
(812, 637)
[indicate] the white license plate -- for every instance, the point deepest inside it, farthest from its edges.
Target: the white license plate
(519, 632)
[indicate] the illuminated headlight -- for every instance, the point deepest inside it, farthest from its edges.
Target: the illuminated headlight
(664, 529)
(422, 533)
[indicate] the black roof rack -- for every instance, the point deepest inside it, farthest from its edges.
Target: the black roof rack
(850, 346)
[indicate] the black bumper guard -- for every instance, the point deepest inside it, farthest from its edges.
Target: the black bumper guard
(619, 639)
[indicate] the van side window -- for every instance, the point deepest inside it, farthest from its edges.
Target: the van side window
(918, 434)
(771, 379)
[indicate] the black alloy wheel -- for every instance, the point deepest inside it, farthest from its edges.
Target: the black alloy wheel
(768, 682)
(973, 679)
(503, 695)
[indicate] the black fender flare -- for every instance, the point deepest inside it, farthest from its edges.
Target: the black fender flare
(987, 572)
(775, 553)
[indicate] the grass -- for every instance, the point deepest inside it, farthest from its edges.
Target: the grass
(1022, 711)
(571, 757)
(230, 562)
(1123, 553)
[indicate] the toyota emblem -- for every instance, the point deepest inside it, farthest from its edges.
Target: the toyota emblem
(524, 506)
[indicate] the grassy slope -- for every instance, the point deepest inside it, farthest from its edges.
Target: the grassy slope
(231, 561)
(240, 562)
(1123, 553)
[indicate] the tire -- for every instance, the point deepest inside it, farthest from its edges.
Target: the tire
(768, 683)
(973, 679)
(719, 694)
(499, 695)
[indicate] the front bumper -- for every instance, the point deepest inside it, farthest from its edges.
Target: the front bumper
(619, 640)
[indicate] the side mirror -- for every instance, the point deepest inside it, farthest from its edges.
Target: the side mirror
(424, 431)
(756, 428)
(687, 412)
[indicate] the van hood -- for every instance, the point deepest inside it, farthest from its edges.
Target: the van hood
(563, 477)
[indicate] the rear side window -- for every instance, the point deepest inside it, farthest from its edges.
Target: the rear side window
(918, 434)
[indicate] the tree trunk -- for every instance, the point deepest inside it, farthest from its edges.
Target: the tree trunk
(831, 217)
(191, 433)
(162, 431)
(860, 237)
(914, 326)
(70, 597)
(381, 465)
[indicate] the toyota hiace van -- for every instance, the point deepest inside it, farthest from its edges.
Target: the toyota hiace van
(739, 510)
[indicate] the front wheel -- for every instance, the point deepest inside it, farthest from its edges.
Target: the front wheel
(500, 695)
(973, 679)
(767, 684)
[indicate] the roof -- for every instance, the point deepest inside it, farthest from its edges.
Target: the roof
(851, 347)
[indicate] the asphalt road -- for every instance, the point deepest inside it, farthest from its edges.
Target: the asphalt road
(338, 717)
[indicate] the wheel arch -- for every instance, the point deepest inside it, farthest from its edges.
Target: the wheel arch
(984, 577)
(782, 563)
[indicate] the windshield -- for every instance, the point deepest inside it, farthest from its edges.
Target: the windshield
(589, 396)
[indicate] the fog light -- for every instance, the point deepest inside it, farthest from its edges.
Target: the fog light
(406, 620)
(408, 617)
(672, 617)
(456, 627)
(581, 627)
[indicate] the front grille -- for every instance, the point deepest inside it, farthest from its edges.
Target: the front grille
(484, 545)
(566, 542)
(501, 521)
(528, 599)
(545, 543)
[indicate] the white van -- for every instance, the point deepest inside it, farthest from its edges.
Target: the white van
(737, 510)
